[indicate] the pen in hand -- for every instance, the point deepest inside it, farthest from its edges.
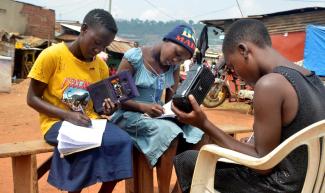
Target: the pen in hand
(89, 124)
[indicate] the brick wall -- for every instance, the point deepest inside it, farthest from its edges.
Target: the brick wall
(40, 21)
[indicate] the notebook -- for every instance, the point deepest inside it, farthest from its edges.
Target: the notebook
(168, 113)
(73, 138)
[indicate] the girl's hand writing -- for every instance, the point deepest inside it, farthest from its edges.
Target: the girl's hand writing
(78, 118)
(153, 110)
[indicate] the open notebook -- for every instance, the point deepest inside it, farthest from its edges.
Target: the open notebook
(168, 111)
(73, 138)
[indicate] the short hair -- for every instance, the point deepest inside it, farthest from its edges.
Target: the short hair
(102, 18)
(251, 30)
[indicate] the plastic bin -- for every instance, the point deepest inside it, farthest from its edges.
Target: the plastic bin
(5, 73)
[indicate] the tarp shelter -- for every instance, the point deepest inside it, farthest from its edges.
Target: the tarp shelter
(314, 54)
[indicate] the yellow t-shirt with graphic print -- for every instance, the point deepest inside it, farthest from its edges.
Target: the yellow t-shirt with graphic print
(61, 70)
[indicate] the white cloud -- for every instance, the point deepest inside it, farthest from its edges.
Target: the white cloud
(256, 7)
(117, 12)
(153, 14)
(171, 9)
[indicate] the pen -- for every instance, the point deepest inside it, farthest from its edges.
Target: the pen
(82, 109)
(83, 112)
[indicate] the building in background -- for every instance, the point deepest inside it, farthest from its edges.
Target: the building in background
(25, 30)
(27, 19)
(287, 28)
(68, 31)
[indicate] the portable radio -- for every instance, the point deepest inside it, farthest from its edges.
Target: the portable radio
(198, 82)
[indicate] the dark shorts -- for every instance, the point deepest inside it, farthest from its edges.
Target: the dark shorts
(233, 178)
(110, 162)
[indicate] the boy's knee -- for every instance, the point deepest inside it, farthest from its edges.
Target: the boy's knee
(186, 160)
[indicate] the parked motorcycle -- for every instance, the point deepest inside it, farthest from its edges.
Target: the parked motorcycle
(227, 85)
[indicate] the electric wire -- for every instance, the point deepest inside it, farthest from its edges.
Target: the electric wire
(158, 9)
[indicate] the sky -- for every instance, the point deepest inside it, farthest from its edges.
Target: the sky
(165, 10)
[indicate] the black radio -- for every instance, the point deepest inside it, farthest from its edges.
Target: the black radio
(198, 82)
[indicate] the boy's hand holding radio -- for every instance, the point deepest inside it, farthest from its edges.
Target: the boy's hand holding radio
(196, 117)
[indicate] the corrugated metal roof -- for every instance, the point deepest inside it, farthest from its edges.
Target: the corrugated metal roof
(294, 22)
(33, 42)
(266, 11)
(119, 45)
(73, 27)
(280, 22)
(66, 37)
(9, 37)
(116, 46)
(287, 11)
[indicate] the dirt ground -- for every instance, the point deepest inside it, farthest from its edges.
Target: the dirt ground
(18, 122)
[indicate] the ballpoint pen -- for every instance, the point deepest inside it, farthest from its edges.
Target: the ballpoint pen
(83, 112)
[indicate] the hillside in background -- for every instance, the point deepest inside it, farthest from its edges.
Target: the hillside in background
(150, 32)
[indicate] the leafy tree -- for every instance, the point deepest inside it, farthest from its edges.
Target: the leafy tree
(150, 32)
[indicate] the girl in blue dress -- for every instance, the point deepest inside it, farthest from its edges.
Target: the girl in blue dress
(155, 69)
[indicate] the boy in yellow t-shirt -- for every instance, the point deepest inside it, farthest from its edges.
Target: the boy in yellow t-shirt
(58, 91)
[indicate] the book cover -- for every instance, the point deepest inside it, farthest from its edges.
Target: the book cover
(119, 88)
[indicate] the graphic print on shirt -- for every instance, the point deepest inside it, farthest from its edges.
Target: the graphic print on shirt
(75, 94)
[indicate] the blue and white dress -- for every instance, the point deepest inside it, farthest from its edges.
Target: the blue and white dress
(152, 136)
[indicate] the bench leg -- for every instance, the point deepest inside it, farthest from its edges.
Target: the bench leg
(24, 169)
(42, 169)
(142, 181)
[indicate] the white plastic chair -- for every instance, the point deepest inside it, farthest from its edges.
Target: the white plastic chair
(203, 178)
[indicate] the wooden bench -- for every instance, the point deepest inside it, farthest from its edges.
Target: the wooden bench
(234, 129)
(24, 165)
(142, 181)
(26, 173)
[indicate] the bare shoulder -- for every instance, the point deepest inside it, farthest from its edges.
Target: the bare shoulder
(125, 65)
(272, 82)
(269, 90)
(274, 94)
(270, 94)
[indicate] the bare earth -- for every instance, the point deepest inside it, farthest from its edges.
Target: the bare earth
(18, 122)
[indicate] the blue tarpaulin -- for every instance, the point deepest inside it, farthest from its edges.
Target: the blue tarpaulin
(314, 54)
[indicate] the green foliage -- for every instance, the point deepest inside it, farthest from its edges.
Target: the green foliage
(149, 32)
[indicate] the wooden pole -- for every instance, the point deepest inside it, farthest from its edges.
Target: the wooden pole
(110, 6)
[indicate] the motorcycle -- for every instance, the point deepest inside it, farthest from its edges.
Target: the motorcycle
(227, 85)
